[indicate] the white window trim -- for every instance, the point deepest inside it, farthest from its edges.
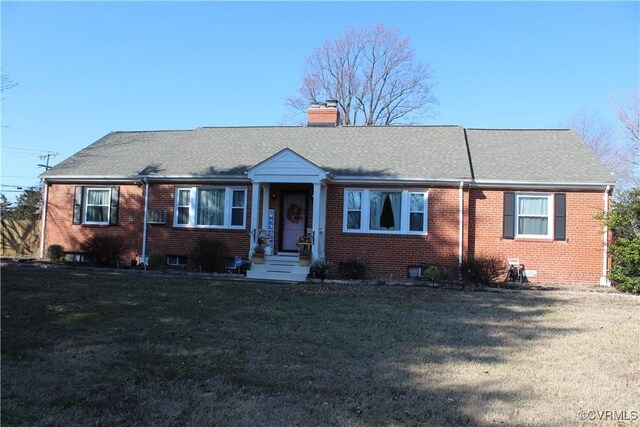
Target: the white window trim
(365, 211)
(193, 205)
(550, 216)
(86, 201)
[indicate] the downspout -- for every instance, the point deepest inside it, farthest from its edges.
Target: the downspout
(460, 230)
(604, 281)
(45, 202)
(144, 226)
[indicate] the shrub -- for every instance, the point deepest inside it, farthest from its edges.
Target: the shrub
(157, 261)
(625, 270)
(353, 269)
(209, 255)
(319, 269)
(55, 253)
(104, 251)
(483, 270)
(432, 273)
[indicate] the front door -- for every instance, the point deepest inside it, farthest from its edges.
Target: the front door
(294, 222)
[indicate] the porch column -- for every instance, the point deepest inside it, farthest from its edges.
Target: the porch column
(255, 205)
(315, 222)
(265, 205)
(323, 221)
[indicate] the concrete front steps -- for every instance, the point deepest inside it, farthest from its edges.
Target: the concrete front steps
(283, 267)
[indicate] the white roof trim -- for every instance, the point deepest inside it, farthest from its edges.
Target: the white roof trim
(287, 166)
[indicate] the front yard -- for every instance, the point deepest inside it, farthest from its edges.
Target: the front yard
(96, 348)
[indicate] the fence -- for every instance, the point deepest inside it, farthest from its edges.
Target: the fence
(19, 237)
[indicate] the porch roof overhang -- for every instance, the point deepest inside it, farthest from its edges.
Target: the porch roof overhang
(287, 166)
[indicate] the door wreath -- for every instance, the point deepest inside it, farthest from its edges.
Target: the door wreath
(294, 213)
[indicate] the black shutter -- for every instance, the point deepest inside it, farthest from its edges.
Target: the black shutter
(78, 202)
(560, 220)
(113, 217)
(508, 215)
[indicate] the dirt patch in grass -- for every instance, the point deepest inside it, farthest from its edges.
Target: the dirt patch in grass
(87, 348)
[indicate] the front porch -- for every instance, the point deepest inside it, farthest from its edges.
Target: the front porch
(288, 202)
(284, 267)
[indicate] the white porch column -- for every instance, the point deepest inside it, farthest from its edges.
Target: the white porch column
(323, 221)
(265, 205)
(315, 222)
(255, 206)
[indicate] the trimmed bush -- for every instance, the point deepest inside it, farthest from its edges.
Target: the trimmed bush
(55, 253)
(104, 251)
(319, 269)
(432, 273)
(483, 270)
(353, 269)
(209, 255)
(157, 261)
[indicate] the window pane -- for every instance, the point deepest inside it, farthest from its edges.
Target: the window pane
(237, 216)
(97, 213)
(532, 205)
(354, 200)
(183, 215)
(238, 199)
(211, 207)
(533, 226)
(183, 198)
(384, 209)
(98, 197)
(416, 221)
(353, 220)
(417, 202)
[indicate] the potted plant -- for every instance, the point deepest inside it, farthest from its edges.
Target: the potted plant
(304, 250)
(258, 252)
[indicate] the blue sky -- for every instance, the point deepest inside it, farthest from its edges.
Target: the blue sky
(85, 69)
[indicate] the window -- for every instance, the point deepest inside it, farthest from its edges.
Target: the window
(385, 211)
(533, 215)
(212, 207)
(95, 205)
(354, 210)
(183, 207)
(176, 260)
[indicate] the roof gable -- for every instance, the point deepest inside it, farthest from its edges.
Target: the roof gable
(287, 166)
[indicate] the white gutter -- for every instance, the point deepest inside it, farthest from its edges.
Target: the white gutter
(604, 281)
(460, 229)
(45, 201)
(480, 183)
(143, 258)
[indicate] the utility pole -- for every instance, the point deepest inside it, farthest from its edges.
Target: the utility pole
(47, 157)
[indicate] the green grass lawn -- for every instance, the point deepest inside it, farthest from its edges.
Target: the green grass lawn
(87, 348)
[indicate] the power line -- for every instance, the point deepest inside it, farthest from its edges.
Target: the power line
(29, 149)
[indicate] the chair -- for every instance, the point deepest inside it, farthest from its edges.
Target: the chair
(515, 270)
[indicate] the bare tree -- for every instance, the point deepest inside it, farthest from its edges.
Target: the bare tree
(373, 74)
(627, 111)
(601, 138)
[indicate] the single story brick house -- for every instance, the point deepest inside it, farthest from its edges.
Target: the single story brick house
(396, 197)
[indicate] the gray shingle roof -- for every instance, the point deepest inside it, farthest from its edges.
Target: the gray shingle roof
(425, 152)
(408, 152)
(546, 156)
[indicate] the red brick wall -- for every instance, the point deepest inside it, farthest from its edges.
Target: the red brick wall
(164, 238)
(389, 255)
(60, 229)
(576, 260)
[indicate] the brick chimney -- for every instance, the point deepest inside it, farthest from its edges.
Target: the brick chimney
(323, 114)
